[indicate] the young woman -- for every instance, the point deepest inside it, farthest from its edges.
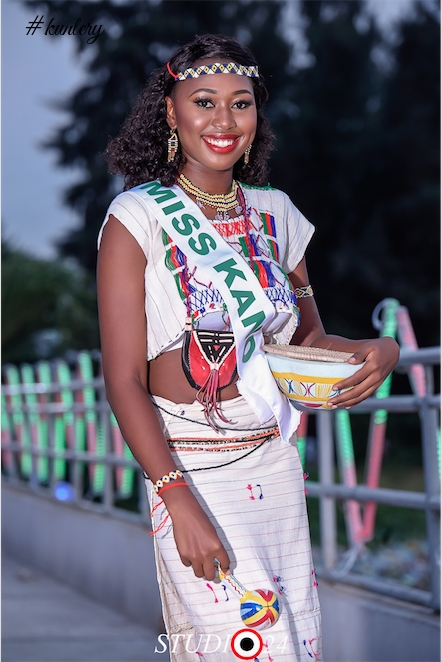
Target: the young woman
(199, 261)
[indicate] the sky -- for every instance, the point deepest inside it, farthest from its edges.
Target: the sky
(37, 70)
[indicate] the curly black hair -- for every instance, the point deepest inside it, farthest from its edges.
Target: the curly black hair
(139, 152)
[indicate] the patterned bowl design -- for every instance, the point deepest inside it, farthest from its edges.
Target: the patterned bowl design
(308, 383)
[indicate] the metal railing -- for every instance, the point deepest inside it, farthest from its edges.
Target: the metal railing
(427, 406)
(60, 439)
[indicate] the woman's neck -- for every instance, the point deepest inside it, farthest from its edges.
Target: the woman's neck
(210, 181)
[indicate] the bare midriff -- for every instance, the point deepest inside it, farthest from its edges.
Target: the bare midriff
(167, 379)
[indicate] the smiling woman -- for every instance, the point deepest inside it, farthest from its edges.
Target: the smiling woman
(199, 261)
(141, 154)
(213, 120)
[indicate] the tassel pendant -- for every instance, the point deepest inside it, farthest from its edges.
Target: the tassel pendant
(207, 397)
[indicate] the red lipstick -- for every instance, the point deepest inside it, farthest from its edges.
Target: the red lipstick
(221, 143)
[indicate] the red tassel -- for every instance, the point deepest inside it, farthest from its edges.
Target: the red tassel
(160, 525)
(155, 507)
(206, 396)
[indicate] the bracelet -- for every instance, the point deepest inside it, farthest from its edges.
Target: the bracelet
(172, 475)
(168, 487)
(302, 292)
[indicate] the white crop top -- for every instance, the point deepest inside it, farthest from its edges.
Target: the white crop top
(279, 235)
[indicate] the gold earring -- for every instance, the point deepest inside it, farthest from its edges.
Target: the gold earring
(247, 154)
(172, 146)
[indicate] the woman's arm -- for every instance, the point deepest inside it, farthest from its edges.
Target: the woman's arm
(380, 354)
(120, 279)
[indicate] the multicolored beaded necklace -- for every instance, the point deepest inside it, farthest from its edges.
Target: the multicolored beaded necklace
(222, 202)
(240, 206)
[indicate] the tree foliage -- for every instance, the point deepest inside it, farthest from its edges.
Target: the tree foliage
(358, 146)
(47, 308)
(366, 166)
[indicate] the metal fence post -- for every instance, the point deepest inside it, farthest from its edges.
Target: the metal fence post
(327, 506)
(108, 497)
(428, 418)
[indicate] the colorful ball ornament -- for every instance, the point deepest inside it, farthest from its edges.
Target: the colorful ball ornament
(259, 609)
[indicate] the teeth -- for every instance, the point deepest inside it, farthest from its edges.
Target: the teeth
(220, 143)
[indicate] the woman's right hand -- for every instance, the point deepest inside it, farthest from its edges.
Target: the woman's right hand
(121, 295)
(195, 536)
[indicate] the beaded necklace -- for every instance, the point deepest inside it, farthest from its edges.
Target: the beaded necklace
(252, 254)
(222, 202)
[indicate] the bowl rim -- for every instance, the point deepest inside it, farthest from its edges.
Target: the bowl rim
(308, 354)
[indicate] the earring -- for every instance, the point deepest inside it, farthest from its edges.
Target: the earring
(172, 146)
(247, 154)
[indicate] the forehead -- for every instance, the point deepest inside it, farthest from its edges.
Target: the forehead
(226, 83)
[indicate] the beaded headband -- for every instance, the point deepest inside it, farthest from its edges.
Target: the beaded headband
(216, 68)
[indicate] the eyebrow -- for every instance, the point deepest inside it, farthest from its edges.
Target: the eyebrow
(210, 91)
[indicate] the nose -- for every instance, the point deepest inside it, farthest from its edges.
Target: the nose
(223, 118)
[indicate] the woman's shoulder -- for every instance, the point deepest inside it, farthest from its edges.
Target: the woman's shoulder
(131, 202)
(269, 198)
(128, 208)
(264, 192)
(293, 230)
(128, 196)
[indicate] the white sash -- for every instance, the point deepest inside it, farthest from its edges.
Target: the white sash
(248, 306)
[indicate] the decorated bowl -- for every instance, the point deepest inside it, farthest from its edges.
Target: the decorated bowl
(306, 375)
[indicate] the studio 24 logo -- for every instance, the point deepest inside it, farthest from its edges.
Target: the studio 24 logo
(245, 644)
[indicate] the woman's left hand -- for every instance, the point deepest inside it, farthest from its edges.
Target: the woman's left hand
(380, 356)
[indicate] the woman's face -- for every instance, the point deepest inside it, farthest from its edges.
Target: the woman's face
(215, 118)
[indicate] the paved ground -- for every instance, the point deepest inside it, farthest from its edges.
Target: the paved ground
(46, 621)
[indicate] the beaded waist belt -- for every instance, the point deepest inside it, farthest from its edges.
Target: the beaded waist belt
(217, 445)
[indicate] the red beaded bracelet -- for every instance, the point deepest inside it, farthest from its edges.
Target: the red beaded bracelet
(174, 484)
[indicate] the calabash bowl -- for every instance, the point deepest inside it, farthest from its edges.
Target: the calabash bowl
(306, 375)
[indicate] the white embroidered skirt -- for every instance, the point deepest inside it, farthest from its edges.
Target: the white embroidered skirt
(257, 505)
